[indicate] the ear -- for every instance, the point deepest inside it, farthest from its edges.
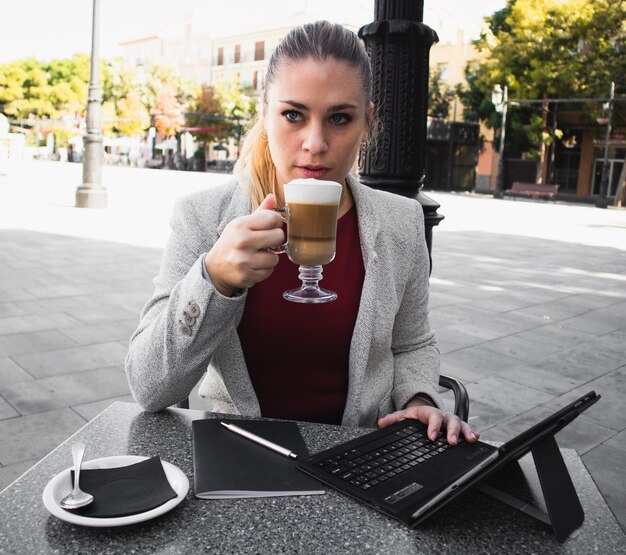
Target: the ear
(370, 111)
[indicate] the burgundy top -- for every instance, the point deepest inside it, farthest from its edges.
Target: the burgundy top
(298, 354)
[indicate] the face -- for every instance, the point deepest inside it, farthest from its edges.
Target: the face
(315, 117)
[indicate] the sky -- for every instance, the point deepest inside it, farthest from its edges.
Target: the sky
(47, 29)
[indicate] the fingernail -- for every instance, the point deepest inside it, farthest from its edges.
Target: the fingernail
(453, 438)
(433, 436)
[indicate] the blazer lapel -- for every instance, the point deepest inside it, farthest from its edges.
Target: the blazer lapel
(369, 227)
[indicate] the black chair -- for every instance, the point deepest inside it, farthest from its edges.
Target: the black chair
(461, 398)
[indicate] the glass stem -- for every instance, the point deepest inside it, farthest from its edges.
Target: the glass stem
(310, 276)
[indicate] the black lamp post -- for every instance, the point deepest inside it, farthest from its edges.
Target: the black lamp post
(91, 193)
(604, 180)
(398, 44)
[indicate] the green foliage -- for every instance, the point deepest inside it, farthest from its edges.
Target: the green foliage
(204, 117)
(237, 102)
(55, 89)
(546, 48)
(439, 98)
(133, 116)
(54, 94)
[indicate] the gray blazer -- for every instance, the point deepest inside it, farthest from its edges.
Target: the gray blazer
(393, 354)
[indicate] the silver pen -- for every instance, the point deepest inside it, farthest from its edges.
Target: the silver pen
(261, 441)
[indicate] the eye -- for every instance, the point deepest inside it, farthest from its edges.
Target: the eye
(292, 115)
(340, 119)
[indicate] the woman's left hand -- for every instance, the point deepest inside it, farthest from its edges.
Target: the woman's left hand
(434, 419)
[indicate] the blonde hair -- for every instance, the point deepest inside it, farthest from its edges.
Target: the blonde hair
(255, 169)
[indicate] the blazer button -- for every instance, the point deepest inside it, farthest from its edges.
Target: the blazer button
(189, 320)
(193, 310)
(185, 329)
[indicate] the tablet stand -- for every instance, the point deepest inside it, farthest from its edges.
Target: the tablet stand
(565, 512)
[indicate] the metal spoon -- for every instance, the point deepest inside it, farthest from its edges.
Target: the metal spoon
(76, 498)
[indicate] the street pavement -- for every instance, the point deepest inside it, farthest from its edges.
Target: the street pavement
(528, 300)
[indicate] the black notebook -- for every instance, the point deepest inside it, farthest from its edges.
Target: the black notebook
(226, 465)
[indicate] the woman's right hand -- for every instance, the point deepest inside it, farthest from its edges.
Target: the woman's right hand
(239, 258)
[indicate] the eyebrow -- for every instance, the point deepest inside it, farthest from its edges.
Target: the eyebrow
(335, 108)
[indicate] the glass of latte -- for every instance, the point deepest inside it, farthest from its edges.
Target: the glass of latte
(312, 209)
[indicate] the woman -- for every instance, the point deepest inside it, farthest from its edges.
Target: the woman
(368, 358)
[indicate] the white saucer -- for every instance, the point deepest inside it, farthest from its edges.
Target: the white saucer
(61, 485)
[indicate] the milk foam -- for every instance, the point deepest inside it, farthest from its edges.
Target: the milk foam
(312, 191)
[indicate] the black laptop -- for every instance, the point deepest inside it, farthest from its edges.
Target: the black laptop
(400, 472)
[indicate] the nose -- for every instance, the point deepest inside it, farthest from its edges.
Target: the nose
(314, 140)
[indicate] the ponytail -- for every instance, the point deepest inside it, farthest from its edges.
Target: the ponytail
(255, 168)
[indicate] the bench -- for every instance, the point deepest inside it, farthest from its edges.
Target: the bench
(520, 189)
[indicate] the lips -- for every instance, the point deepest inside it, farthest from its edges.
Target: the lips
(315, 172)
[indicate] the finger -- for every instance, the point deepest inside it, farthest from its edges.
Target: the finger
(453, 428)
(269, 203)
(435, 421)
(390, 419)
(264, 260)
(470, 435)
(265, 219)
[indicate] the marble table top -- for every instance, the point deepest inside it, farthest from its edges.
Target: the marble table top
(329, 523)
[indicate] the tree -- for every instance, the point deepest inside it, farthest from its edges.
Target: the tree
(167, 112)
(133, 116)
(543, 49)
(204, 117)
(238, 104)
(438, 97)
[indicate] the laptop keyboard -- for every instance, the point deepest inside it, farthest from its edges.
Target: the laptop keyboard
(384, 458)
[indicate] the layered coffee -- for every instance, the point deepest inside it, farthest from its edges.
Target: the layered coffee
(312, 232)
(312, 226)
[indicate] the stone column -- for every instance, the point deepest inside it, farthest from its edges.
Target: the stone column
(398, 44)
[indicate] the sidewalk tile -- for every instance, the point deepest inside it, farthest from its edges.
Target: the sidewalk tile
(56, 290)
(91, 410)
(87, 334)
(452, 338)
(8, 309)
(505, 396)
(102, 313)
(58, 304)
(554, 335)
(35, 322)
(559, 309)
(606, 465)
(609, 410)
(478, 361)
(618, 441)
(484, 417)
(6, 410)
(38, 396)
(597, 322)
(581, 364)
(74, 359)
(21, 343)
(10, 372)
(542, 379)
(520, 348)
(34, 436)
(14, 294)
(582, 434)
